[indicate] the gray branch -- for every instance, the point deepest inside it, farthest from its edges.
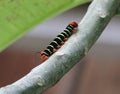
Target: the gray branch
(49, 73)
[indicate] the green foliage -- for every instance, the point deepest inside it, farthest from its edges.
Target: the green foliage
(118, 12)
(18, 16)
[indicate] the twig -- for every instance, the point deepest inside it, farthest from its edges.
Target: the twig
(47, 74)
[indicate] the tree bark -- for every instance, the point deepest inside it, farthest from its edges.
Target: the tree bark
(49, 73)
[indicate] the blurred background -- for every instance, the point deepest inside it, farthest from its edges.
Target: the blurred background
(97, 73)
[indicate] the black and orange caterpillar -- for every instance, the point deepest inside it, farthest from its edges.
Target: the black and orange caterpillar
(58, 41)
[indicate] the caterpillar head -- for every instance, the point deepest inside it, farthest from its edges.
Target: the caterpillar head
(74, 24)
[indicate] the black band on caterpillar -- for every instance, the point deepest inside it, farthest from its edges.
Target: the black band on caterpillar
(66, 35)
(62, 36)
(50, 47)
(54, 44)
(48, 52)
(70, 27)
(59, 40)
(68, 32)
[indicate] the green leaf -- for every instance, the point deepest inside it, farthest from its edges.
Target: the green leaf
(18, 16)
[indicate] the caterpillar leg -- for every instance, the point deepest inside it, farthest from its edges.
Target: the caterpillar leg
(42, 52)
(43, 58)
(65, 39)
(58, 46)
(74, 30)
(54, 50)
(62, 43)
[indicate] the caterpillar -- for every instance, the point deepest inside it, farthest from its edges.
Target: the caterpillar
(58, 41)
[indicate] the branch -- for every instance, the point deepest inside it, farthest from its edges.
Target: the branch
(48, 73)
